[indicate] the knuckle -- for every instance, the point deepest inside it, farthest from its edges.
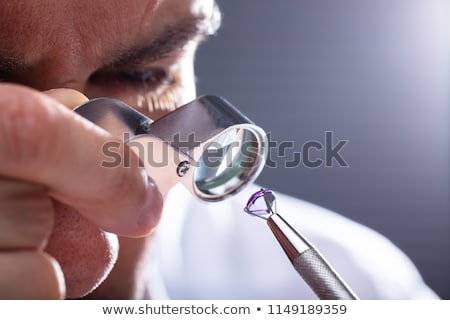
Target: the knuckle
(26, 215)
(27, 126)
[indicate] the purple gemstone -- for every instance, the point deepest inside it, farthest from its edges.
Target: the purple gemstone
(251, 206)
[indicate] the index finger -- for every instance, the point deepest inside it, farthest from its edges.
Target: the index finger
(43, 142)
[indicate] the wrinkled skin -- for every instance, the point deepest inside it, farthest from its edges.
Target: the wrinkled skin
(68, 227)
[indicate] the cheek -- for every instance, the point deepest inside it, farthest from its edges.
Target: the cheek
(85, 253)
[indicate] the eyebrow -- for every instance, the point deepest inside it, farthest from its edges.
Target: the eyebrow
(171, 38)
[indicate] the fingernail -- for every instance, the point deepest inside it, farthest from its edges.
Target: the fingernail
(68, 97)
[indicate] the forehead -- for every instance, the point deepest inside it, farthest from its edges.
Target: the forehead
(35, 30)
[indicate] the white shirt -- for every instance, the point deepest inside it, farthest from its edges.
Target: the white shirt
(216, 251)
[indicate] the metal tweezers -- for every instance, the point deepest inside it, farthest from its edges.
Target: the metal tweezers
(306, 259)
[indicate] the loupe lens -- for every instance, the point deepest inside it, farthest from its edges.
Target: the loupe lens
(229, 161)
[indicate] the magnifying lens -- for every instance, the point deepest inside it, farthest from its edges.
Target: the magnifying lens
(207, 145)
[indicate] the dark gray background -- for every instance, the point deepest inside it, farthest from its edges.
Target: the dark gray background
(373, 72)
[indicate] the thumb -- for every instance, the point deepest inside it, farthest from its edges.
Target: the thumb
(71, 98)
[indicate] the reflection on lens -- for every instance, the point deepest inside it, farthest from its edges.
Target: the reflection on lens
(229, 161)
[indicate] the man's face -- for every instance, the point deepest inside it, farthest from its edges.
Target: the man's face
(138, 51)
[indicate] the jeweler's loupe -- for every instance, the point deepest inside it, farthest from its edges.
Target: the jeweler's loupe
(207, 145)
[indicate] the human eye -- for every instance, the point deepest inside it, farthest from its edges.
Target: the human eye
(148, 77)
(150, 88)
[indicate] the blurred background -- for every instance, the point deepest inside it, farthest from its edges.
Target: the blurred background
(375, 73)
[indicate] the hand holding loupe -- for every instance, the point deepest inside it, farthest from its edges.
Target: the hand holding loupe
(207, 145)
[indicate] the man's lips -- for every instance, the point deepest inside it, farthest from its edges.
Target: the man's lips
(85, 253)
